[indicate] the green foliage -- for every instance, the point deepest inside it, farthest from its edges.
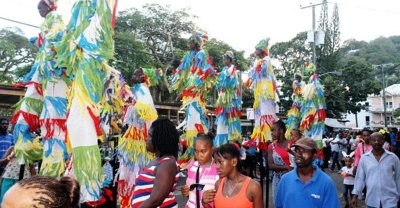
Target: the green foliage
(20, 72)
(216, 49)
(379, 51)
(156, 36)
(396, 115)
(357, 83)
(291, 55)
(157, 30)
(130, 54)
(342, 93)
(15, 51)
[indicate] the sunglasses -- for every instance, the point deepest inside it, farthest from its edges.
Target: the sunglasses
(197, 186)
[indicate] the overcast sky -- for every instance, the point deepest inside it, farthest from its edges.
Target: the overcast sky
(242, 24)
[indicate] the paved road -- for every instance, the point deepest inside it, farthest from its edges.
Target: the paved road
(334, 175)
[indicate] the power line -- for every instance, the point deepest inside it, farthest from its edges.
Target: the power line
(22, 23)
(365, 8)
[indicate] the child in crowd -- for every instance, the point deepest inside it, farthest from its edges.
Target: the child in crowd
(202, 173)
(348, 178)
(294, 136)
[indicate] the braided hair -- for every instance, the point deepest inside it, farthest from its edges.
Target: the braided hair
(49, 192)
(165, 137)
(209, 138)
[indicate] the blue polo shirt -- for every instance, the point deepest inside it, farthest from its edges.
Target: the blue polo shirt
(319, 192)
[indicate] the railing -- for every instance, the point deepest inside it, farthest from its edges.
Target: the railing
(380, 110)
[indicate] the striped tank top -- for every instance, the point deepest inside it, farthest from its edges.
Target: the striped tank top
(144, 186)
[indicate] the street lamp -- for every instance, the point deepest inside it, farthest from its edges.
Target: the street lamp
(338, 73)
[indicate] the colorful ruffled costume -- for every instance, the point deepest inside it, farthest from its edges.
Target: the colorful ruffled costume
(132, 146)
(262, 81)
(313, 107)
(85, 52)
(229, 105)
(192, 79)
(113, 101)
(294, 116)
(45, 96)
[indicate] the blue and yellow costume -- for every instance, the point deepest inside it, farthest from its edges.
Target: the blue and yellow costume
(229, 104)
(192, 80)
(262, 81)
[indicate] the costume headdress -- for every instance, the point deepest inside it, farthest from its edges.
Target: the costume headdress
(263, 45)
(199, 39)
(229, 54)
(51, 3)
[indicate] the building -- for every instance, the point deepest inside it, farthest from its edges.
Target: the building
(9, 96)
(373, 116)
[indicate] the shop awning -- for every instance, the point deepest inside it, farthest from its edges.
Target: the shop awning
(334, 123)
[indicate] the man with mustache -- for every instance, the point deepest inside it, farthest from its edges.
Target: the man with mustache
(306, 185)
(379, 171)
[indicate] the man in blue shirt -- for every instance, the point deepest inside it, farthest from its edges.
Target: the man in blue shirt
(306, 185)
(379, 171)
(6, 139)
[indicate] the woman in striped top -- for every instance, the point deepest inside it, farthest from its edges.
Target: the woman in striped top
(156, 183)
(202, 171)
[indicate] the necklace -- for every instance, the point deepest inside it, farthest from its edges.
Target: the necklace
(230, 190)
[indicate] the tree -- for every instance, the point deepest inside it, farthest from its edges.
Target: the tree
(397, 116)
(15, 51)
(159, 29)
(328, 56)
(357, 83)
(216, 49)
(130, 54)
(291, 56)
(376, 52)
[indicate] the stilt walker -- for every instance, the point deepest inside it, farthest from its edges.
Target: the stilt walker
(45, 97)
(229, 103)
(132, 146)
(192, 80)
(262, 81)
(85, 52)
(313, 108)
(53, 117)
(294, 115)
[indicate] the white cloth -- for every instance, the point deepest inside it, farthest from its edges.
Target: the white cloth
(348, 180)
(335, 144)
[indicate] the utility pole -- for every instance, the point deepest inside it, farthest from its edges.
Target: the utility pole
(314, 53)
(382, 67)
(384, 94)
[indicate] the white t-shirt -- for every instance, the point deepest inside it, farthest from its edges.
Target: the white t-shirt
(334, 145)
(342, 145)
(324, 142)
(353, 144)
(348, 180)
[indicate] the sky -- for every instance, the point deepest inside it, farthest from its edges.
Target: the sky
(242, 24)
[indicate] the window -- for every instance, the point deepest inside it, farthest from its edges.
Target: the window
(367, 120)
(389, 120)
(281, 109)
(389, 104)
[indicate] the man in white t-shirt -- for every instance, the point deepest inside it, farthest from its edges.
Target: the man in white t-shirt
(335, 148)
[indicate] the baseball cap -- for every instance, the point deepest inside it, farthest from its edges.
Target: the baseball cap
(306, 143)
